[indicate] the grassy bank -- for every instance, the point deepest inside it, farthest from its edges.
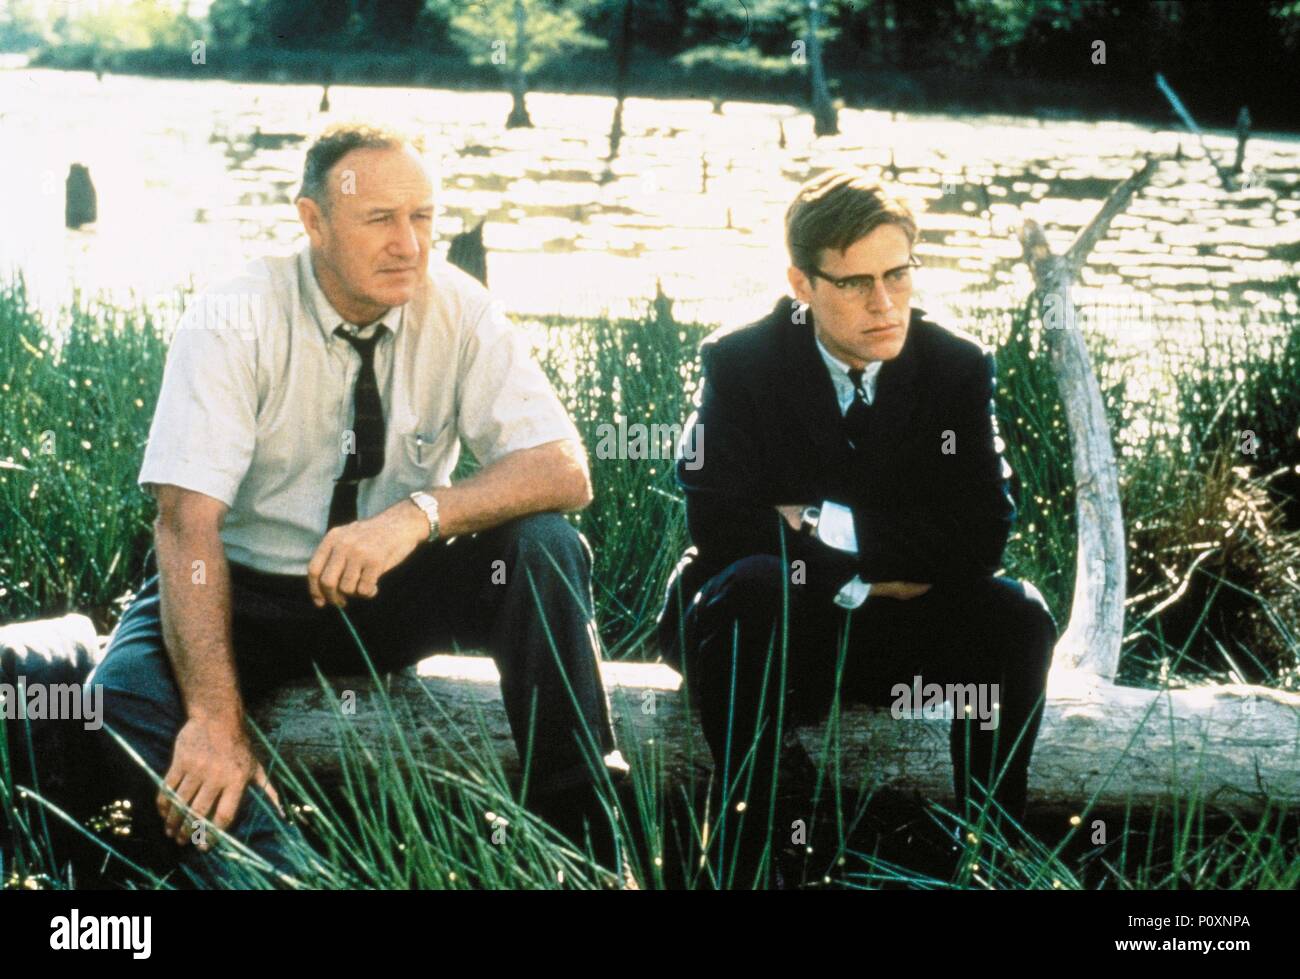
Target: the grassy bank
(1212, 559)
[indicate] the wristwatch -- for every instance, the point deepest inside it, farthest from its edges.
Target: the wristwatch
(430, 507)
(809, 517)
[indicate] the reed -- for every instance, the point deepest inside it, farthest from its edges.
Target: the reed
(76, 400)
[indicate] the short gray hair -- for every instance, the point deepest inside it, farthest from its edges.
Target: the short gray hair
(338, 141)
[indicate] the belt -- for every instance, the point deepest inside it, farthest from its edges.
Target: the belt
(283, 585)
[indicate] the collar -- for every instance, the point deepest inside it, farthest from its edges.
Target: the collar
(322, 310)
(799, 375)
(840, 373)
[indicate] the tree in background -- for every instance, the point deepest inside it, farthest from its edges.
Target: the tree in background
(999, 32)
(773, 36)
(890, 53)
(825, 118)
(1288, 16)
(519, 37)
(233, 23)
(125, 26)
(284, 23)
(21, 27)
(622, 54)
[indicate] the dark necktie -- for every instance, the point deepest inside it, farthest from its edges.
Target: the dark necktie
(367, 456)
(857, 420)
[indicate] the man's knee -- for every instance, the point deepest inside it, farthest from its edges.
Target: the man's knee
(1023, 613)
(146, 725)
(1029, 607)
(545, 542)
(1042, 611)
(749, 594)
(136, 682)
(753, 582)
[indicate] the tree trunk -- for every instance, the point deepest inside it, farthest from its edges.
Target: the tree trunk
(468, 253)
(1092, 639)
(620, 78)
(876, 35)
(1243, 134)
(519, 118)
(825, 118)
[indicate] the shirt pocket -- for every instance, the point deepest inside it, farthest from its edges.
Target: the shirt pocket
(422, 450)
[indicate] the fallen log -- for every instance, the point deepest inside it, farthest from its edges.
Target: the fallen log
(1237, 747)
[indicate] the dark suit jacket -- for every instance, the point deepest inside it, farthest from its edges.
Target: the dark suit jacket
(771, 433)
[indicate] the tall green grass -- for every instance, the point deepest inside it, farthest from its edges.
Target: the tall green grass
(74, 419)
(76, 529)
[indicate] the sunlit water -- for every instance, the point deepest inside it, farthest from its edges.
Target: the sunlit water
(188, 189)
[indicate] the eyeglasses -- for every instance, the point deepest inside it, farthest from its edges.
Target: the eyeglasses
(862, 286)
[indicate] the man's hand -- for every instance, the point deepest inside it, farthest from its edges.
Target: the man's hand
(212, 764)
(793, 513)
(351, 558)
(902, 590)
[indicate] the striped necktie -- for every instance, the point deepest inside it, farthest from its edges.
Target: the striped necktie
(367, 456)
(857, 420)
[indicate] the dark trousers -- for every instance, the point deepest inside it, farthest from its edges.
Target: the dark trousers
(521, 590)
(995, 630)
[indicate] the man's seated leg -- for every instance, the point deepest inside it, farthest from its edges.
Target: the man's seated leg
(142, 705)
(522, 590)
(733, 667)
(1016, 632)
(992, 639)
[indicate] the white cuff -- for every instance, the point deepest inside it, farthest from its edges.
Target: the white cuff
(854, 593)
(835, 527)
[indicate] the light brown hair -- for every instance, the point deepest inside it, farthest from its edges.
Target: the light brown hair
(836, 208)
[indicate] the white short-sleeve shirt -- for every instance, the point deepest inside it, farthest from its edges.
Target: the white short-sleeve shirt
(257, 397)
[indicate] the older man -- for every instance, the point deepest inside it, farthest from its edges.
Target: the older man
(310, 418)
(848, 521)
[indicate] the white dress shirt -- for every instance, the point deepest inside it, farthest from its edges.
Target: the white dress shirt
(835, 527)
(258, 392)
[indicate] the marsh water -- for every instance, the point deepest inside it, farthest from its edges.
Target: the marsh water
(196, 176)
